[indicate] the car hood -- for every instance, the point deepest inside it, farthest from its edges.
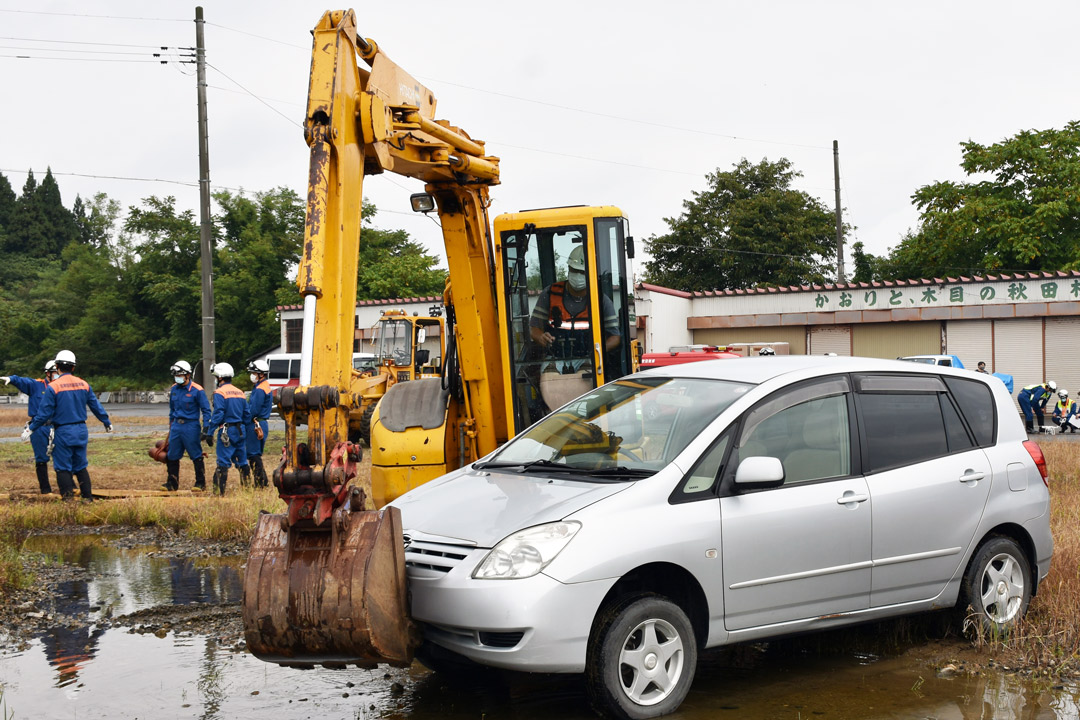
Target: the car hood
(482, 507)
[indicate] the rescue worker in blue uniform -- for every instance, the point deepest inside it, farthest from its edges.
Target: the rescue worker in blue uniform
(1033, 399)
(231, 415)
(64, 405)
(39, 439)
(260, 404)
(187, 402)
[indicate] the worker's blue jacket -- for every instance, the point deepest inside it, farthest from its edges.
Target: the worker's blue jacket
(33, 389)
(65, 402)
(187, 402)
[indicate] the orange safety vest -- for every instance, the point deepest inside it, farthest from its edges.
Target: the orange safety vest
(559, 316)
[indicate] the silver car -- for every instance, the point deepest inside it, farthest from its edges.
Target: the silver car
(699, 505)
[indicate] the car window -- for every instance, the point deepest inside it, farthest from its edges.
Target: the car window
(807, 428)
(702, 478)
(903, 419)
(976, 402)
(955, 432)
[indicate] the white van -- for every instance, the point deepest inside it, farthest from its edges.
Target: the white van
(285, 367)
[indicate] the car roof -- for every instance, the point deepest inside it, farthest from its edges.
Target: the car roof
(757, 370)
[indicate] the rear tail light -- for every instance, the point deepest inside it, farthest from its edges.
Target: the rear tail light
(1040, 462)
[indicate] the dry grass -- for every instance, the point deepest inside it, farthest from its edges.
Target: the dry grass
(1048, 641)
(14, 416)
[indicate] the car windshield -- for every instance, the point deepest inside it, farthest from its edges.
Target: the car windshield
(626, 429)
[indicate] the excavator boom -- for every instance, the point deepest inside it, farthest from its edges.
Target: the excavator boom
(325, 580)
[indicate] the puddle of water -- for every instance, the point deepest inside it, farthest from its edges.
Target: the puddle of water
(86, 671)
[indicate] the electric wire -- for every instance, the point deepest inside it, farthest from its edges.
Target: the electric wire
(271, 107)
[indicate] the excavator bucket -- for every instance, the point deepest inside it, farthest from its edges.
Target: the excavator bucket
(329, 595)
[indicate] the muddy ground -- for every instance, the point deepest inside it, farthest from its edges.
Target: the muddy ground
(28, 613)
(930, 640)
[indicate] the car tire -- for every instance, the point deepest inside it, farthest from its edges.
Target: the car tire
(997, 585)
(641, 658)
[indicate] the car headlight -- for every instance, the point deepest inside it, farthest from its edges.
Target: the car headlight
(527, 552)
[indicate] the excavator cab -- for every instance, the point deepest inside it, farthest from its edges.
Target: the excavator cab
(567, 305)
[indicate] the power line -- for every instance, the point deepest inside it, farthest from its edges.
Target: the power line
(255, 96)
(89, 52)
(82, 42)
(241, 92)
(99, 17)
(77, 59)
(185, 183)
(261, 37)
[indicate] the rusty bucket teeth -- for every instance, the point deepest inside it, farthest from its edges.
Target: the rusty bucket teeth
(330, 595)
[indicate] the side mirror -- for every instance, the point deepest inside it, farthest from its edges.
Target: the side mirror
(421, 336)
(759, 472)
(630, 247)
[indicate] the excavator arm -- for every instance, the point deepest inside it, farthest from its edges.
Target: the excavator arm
(325, 580)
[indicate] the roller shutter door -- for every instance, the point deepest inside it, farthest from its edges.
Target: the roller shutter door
(1018, 351)
(1063, 353)
(830, 339)
(896, 339)
(971, 341)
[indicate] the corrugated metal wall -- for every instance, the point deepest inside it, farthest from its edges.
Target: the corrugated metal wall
(1018, 351)
(896, 339)
(794, 336)
(971, 341)
(1063, 353)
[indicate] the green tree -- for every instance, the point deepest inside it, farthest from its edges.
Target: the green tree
(255, 263)
(749, 227)
(393, 265)
(40, 225)
(866, 267)
(1023, 214)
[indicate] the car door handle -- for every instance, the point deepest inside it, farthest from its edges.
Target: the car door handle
(850, 497)
(971, 476)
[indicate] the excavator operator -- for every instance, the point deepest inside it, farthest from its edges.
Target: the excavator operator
(560, 322)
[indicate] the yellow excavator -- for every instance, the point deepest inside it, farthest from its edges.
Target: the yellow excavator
(325, 580)
(399, 357)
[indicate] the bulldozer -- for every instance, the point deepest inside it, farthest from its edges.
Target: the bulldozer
(538, 310)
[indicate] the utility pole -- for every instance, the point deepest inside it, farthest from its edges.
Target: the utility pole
(839, 220)
(205, 234)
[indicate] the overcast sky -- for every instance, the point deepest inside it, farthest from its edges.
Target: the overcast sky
(624, 103)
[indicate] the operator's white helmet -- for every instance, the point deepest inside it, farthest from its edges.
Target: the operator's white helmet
(181, 367)
(259, 366)
(65, 356)
(221, 370)
(50, 366)
(576, 261)
(1063, 393)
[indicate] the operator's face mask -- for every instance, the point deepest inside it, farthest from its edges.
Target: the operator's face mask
(254, 377)
(179, 379)
(576, 278)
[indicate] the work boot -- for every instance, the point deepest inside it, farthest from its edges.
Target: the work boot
(200, 474)
(258, 471)
(84, 484)
(66, 484)
(221, 476)
(172, 475)
(43, 477)
(245, 476)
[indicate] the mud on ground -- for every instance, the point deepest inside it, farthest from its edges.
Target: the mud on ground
(28, 613)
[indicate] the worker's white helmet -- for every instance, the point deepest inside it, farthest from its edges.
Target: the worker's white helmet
(222, 370)
(1063, 393)
(65, 356)
(50, 366)
(576, 260)
(259, 366)
(1050, 383)
(181, 367)
(766, 351)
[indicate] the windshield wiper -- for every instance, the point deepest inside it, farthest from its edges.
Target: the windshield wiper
(620, 471)
(545, 464)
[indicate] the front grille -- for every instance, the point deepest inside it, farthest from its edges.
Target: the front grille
(434, 557)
